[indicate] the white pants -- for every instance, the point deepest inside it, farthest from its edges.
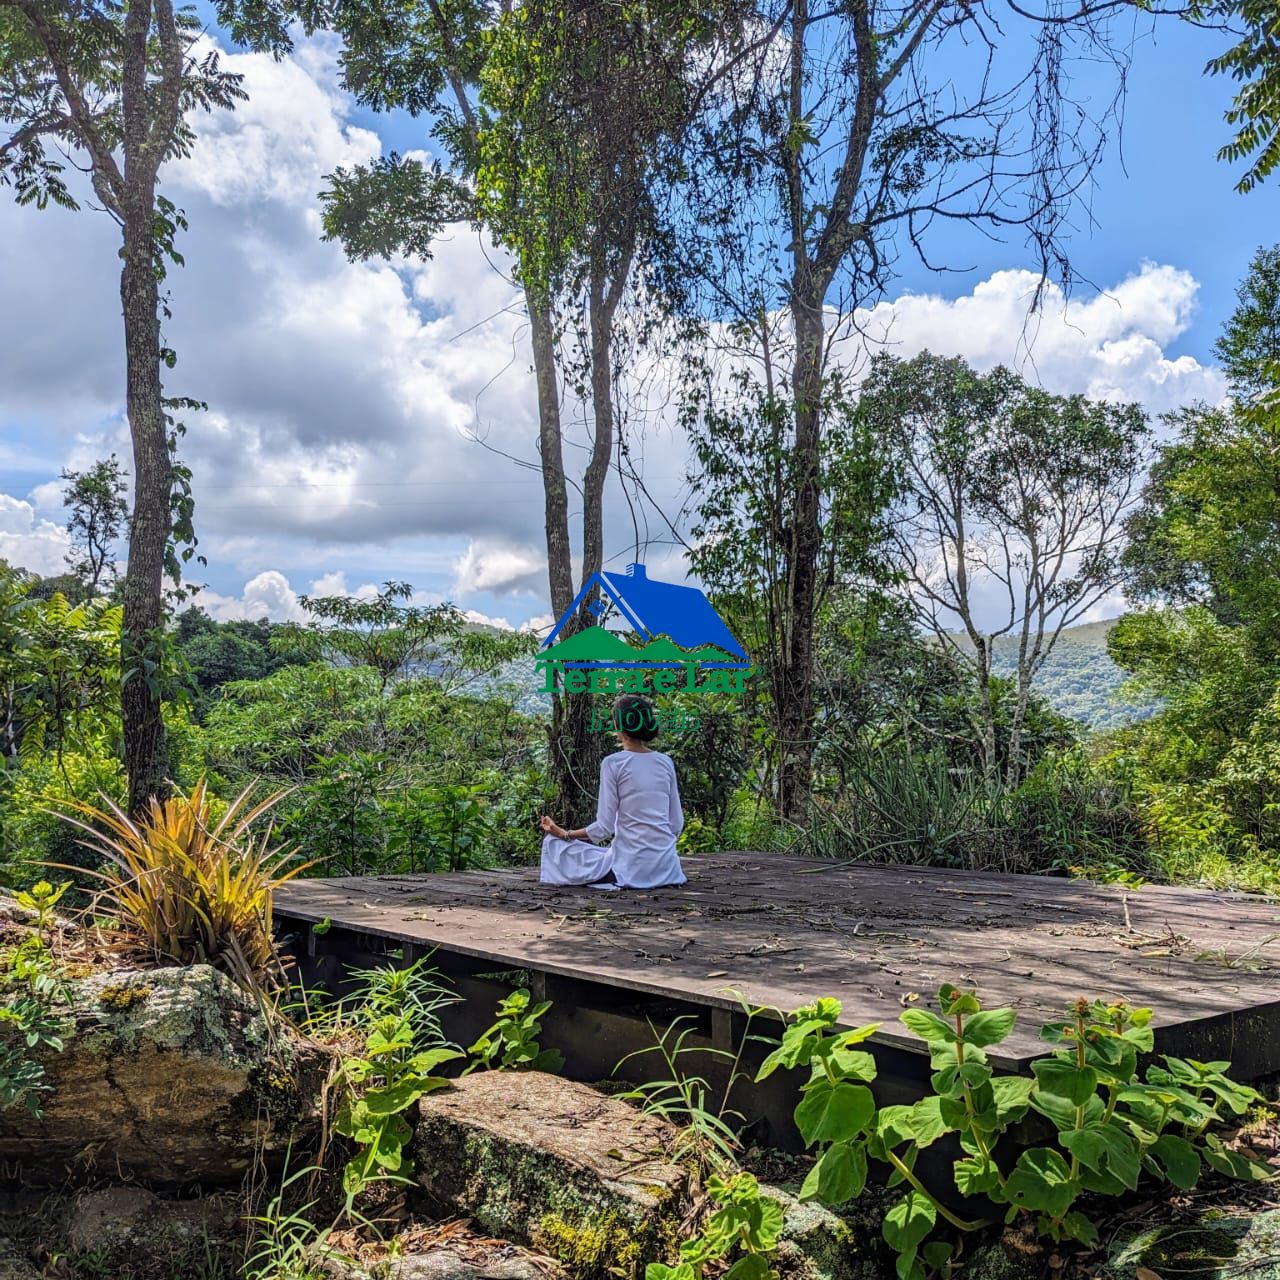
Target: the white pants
(574, 861)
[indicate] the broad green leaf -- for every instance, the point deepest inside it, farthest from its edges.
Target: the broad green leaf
(753, 1266)
(1179, 1159)
(1041, 1181)
(833, 1113)
(1060, 1076)
(352, 1177)
(908, 1222)
(926, 1121)
(426, 1062)
(799, 1041)
(388, 1151)
(1232, 1163)
(1077, 1227)
(1106, 1149)
(855, 1063)
(989, 1027)
(1142, 1038)
(894, 1124)
(937, 1253)
(1012, 1096)
(839, 1175)
(974, 1176)
(391, 1099)
(847, 1039)
(927, 1025)
(660, 1271)
(950, 1081)
(1062, 1112)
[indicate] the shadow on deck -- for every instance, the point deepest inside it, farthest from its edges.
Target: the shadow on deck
(780, 932)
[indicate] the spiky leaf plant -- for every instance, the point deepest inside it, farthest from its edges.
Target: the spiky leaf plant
(188, 887)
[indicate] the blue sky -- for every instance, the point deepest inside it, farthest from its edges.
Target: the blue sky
(350, 406)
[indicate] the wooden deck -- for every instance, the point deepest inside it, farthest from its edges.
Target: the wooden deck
(782, 931)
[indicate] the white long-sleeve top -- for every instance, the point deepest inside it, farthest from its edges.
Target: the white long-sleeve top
(639, 807)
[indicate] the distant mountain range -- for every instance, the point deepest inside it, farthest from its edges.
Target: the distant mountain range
(1079, 679)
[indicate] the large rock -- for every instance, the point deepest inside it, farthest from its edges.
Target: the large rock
(172, 1076)
(488, 1260)
(1212, 1248)
(557, 1165)
(818, 1244)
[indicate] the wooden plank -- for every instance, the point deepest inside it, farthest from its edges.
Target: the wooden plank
(781, 931)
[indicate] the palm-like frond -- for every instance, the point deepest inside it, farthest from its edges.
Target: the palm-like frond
(190, 888)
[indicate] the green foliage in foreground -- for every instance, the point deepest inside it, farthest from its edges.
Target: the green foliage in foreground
(397, 1067)
(31, 986)
(511, 1044)
(743, 1222)
(1112, 1124)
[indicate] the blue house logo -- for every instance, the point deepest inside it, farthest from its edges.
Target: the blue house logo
(677, 639)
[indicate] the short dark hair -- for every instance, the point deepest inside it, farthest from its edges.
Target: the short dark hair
(635, 716)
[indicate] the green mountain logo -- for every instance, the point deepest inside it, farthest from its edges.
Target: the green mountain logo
(595, 644)
(608, 648)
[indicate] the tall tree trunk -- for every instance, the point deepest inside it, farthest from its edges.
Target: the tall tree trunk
(578, 750)
(982, 646)
(569, 727)
(600, 308)
(145, 757)
(551, 453)
(794, 691)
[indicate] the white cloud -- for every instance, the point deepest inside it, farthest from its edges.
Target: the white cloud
(362, 415)
(274, 145)
(28, 541)
(266, 595)
(1110, 345)
(499, 568)
(485, 620)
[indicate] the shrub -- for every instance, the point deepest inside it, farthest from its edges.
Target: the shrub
(189, 888)
(1111, 1123)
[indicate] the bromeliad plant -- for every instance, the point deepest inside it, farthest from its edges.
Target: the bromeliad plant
(190, 887)
(1111, 1124)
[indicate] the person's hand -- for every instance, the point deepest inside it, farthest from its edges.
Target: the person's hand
(550, 827)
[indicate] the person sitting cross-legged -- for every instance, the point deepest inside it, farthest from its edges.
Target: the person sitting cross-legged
(639, 806)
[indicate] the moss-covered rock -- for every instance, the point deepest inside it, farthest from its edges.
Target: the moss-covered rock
(173, 1076)
(1212, 1248)
(493, 1260)
(818, 1244)
(554, 1164)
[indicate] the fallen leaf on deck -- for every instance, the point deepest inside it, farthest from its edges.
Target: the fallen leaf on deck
(910, 998)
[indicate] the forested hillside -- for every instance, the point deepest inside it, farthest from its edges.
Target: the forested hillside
(1079, 679)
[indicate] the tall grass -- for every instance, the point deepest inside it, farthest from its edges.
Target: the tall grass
(896, 806)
